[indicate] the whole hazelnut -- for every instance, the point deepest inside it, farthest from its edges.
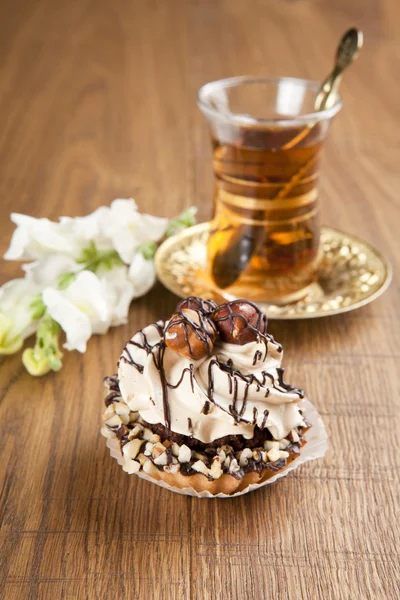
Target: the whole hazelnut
(239, 322)
(190, 333)
(194, 303)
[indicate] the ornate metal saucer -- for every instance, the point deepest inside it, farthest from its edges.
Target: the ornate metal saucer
(352, 274)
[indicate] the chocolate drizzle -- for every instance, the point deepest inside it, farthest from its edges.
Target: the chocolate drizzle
(200, 327)
(114, 394)
(233, 378)
(255, 415)
(206, 408)
(127, 358)
(158, 359)
(112, 383)
(157, 352)
(286, 387)
(189, 370)
(257, 356)
(266, 413)
(194, 303)
(144, 345)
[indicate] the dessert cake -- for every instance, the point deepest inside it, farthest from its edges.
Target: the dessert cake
(200, 401)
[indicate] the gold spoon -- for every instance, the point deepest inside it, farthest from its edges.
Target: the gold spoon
(347, 51)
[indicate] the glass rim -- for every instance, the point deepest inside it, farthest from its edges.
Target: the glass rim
(248, 120)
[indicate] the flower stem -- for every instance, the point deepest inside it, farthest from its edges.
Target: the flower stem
(45, 356)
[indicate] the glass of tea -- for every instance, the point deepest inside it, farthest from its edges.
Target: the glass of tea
(267, 142)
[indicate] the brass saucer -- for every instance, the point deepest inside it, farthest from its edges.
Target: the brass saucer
(352, 274)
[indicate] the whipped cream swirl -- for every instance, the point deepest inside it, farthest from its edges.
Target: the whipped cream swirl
(229, 392)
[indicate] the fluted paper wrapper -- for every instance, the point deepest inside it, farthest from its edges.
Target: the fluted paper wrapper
(315, 448)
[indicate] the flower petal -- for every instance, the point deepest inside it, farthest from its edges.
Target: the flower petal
(90, 228)
(81, 309)
(87, 293)
(73, 321)
(16, 297)
(48, 270)
(9, 344)
(127, 228)
(142, 273)
(36, 238)
(153, 227)
(119, 291)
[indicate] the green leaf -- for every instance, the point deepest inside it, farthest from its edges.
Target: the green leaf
(148, 250)
(88, 254)
(107, 260)
(38, 307)
(92, 259)
(186, 219)
(65, 280)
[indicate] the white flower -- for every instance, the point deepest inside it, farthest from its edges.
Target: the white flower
(37, 238)
(119, 291)
(142, 273)
(121, 285)
(49, 270)
(120, 227)
(16, 313)
(81, 310)
(117, 227)
(91, 228)
(84, 273)
(128, 229)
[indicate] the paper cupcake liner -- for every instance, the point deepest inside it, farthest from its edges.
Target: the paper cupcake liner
(315, 448)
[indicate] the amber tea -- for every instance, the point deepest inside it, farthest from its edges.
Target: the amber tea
(264, 239)
(266, 226)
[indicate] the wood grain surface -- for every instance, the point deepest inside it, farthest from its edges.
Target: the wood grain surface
(98, 100)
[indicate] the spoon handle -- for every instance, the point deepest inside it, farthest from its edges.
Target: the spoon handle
(347, 51)
(327, 94)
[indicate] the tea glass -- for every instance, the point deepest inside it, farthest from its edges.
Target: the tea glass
(264, 241)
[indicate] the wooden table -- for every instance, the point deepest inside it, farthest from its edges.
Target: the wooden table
(98, 101)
